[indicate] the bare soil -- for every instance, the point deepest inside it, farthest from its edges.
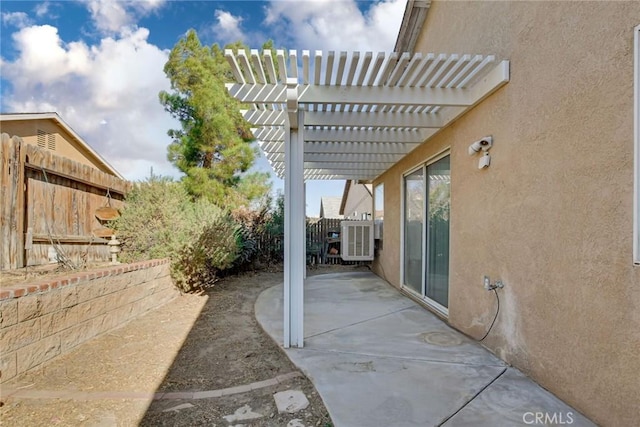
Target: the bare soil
(194, 343)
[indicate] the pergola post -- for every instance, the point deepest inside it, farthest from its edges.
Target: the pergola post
(294, 215)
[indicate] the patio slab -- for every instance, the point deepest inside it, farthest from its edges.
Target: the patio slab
(379, 359)
(515, 400)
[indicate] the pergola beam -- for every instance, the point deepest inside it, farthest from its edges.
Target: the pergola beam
(341, 157)
(315, 175)
(364, 167)
(346, 147)
(342, 135)
(359, 95)
(378, 119)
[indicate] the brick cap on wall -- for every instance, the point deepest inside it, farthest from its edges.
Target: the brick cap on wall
(22, 289)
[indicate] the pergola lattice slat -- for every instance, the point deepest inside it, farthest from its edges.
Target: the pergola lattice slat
(361, 97)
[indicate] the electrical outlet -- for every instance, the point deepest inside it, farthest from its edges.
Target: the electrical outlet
(487, 283)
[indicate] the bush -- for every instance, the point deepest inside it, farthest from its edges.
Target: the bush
(260, 234)
(199, 264)
(158, 219)
(161, 220)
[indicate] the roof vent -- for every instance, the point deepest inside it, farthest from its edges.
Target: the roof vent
(46, 140)
(42, 136)
(51, 141)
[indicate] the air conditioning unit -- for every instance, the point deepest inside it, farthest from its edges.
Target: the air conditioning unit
(357, 240)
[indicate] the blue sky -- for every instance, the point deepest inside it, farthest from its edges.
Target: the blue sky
(98, 63)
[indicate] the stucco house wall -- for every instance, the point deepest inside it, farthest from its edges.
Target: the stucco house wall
(55, 136)
(552, 217)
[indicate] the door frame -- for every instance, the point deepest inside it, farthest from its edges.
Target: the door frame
(439, 308)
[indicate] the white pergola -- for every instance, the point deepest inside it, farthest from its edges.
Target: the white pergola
(347, 116)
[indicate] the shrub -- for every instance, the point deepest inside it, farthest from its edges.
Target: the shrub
(259, 234)
(274, 235)
(161, 220)
(157, 220)
(199, 264)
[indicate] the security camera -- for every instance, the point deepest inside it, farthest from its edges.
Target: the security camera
(485, 161)
(483, 144)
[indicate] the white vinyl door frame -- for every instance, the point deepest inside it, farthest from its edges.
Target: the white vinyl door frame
(428, 301)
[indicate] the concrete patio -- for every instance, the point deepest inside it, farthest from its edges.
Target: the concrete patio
(379, 359)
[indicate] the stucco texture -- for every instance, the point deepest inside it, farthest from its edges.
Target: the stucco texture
(553, 215)
(65, 144)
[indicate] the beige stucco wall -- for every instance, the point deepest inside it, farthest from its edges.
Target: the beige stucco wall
(66, 145)
(552, 216)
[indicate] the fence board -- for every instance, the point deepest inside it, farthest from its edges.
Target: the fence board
(320, 236)
(6, 148)
(52, 196)
(12, 222)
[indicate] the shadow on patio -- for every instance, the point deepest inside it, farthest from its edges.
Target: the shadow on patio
(379, 359)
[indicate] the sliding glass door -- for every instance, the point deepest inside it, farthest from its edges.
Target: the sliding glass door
(427, 201)
(413, 226)
(438, 205)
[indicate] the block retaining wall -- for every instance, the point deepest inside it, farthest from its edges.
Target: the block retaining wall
(43, 320)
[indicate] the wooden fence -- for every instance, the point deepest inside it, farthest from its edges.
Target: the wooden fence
(324, 242)
(48, 205)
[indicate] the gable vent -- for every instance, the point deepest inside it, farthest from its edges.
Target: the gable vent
(46, 140)
(42, 136)
(51, 141)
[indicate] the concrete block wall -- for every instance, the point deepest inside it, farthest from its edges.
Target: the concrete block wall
(43, 320)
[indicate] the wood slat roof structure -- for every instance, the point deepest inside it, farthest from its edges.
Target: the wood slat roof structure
(362, 112)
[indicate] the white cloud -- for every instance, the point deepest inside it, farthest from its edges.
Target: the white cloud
(227, 27)
(116, 17)
(43, 59)
(107, 92)
(42, 9)
(336, 24)
(146, 6)
(109, 17)
(16, 19)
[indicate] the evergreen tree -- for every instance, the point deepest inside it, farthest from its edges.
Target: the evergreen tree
(213, 147)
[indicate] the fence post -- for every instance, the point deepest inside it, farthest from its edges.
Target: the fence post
(12, 184)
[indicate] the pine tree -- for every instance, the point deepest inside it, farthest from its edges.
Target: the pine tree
(213, 147)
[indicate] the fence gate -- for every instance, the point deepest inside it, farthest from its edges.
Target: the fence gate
(48, 205)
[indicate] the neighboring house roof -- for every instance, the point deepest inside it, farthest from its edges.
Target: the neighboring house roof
(330, 207)
(345, 194)
(414, 16)
(58, 120)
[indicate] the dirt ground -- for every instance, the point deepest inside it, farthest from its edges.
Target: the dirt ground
(195, 343)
